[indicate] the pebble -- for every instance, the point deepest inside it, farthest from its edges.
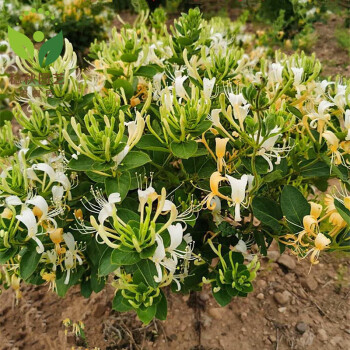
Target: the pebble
(282, 309)
(243, 316)
(322, 334)
(216, 313)
(261, 283)
(282, 298)
(203, 296)
(301, 327)
(287, 261)
(273, 255)
(309, 283)
(260, 296)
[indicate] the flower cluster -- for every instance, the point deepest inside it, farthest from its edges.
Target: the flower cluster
(167, 160)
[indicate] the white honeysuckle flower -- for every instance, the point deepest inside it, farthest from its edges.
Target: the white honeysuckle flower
(339, 99)
(208, 86)
(215, 203)
(50, 256)
(27, 218)
(179, 88)
(250, 182)
(268, 151)
(240, 106)
(31, 175)
(71, 255)
(298, 75)
(176, 235)
(57, 194)
(238, 189)
(347, 124)
(275, 73)
(121, 155)
(167, 205)
(157, 85)
(40, 202)
(241, 247)
(168, 257)
(46, 169)
(13, 200)
(108, 206)
(215, 117)
(144, 195)
(320, 117)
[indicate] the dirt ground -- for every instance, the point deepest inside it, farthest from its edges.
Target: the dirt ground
(292, 307)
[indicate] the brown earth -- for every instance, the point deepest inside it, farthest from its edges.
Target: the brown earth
(291, 308)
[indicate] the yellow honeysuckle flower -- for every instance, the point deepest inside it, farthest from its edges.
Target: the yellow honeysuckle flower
(321, 243)
(220, 151)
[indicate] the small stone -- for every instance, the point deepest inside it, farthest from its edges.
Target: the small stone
(309, 283)
(203, 296)
(322, 334)
(243, 316)
(282, 309)
(287, 261)
(260, 296)
(306, 339)
(261, 283)
(215, 312)
(273, 255)
(272, 338)
(282, 298)
(301, 327)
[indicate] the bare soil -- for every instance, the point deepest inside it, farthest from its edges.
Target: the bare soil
(290, 308)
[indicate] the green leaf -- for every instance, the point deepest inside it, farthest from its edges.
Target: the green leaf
(149, 271)
(120, 184)
(85, 288)
(295, 111)
(97, 282)
(105, 264)
(315, 170)
(124, 257)
(119, 304)
(147, 315)
(29, 261)
(151, 143)
(84, 163)
(129, 57)
(184, 150)
(6, 255)
(20, 44)
(273, 176)
(221, 297)
(268, 212)
(124, 84)
(146, 71)
(134, 159)
(343, 211)
(162, 308)
(294, 207)
(51, 50)
(5, 115)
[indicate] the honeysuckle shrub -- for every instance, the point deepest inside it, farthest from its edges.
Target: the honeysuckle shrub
(165, 162)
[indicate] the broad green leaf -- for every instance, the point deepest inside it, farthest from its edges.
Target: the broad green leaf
(268, 212)
(147, 315)
(5, 115)
(51, 50)
(184, 150)
(29, 262)
(343, 211)
(105, 265)
(315, 170)
(129, 57)
(97, 282)
(7, 254)
(151, 143)
(20, 44)
(149, 271)
(85, 288)
(294, 207)
(121, 257)
(295, 111)
(124, 84)
(134, 159)
(221, 297)
(120, 184)
(162, 308)
(146, 71)
(119, 303)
